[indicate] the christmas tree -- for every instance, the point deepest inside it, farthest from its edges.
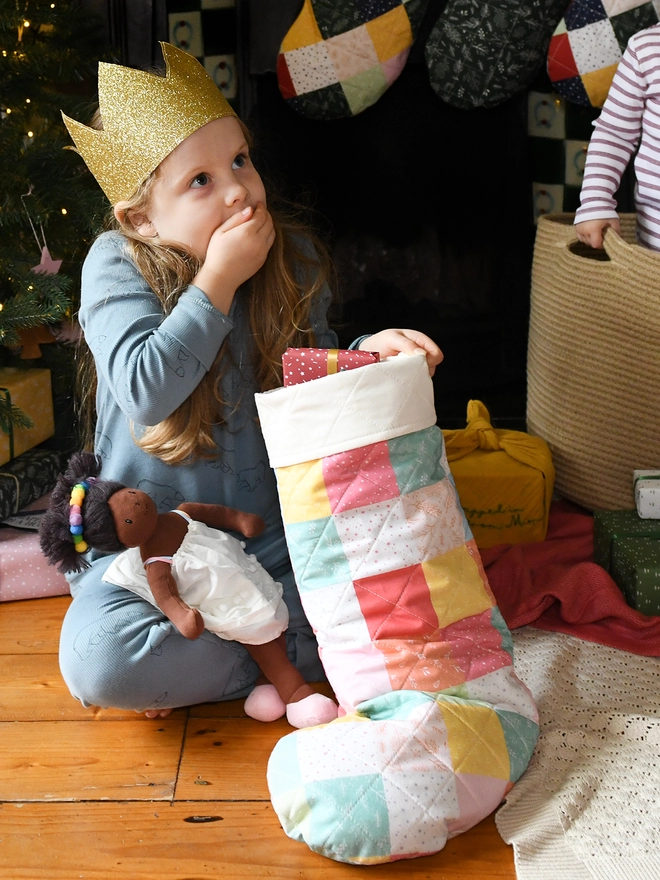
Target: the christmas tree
(50, 206)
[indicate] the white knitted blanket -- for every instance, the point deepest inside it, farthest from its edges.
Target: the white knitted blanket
(588, 807)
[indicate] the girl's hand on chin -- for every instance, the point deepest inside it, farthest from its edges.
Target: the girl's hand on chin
(236, 250)
(392, 342)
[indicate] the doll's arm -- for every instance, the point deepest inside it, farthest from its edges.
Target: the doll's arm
(218, 517)
(166, 595)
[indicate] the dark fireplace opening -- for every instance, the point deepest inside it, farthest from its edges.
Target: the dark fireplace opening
(427, 213)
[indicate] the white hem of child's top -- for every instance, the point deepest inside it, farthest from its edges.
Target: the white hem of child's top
(347, 410)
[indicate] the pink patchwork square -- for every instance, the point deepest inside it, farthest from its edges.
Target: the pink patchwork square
(352, 52)
(393, 66)
(359, 477)
(476, 645)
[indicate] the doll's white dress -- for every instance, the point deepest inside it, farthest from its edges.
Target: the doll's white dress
(234, 593)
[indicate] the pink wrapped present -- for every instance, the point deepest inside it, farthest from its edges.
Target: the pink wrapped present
(24, 570)
(304, 364)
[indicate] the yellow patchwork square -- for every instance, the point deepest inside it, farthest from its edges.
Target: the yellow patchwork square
(476, 739)
(456, 586)
(597, 84)
(304, 31)
(390, 33)
(302, 491)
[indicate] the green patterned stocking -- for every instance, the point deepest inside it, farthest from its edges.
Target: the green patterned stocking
(481, 53)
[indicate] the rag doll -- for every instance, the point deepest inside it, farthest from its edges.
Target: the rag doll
(230, 592)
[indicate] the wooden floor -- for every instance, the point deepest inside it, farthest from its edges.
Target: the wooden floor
(100, 794)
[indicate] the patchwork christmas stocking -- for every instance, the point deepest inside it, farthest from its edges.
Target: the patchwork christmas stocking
(588, 43)
(434, 726)
(479, 54)
(340, 56)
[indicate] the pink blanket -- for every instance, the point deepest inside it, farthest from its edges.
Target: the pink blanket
(555, 585)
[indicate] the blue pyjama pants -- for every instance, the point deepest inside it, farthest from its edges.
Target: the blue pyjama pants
(117, 650)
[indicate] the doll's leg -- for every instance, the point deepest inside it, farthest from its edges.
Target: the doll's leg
(117, 650)
(301, 643)
(304, 707)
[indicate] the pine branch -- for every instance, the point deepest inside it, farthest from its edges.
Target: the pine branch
(12, 416)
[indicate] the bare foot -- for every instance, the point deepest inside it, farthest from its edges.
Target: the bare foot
(157, 713)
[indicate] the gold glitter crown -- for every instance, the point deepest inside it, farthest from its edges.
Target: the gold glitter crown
(145, 116)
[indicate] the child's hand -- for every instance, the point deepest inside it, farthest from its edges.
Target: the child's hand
(391, 342)
(236, 251)
(591, 231)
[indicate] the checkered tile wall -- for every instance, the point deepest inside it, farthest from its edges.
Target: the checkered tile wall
(208, 30)
(559, 133)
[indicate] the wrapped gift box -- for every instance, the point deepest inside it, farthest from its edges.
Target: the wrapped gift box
(611, 526)
(26, 478)
(24, 570)
(30, 390)
(504, 480)
(304, 364)
(646, 486)
(636, 569)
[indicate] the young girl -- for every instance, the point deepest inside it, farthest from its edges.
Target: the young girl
(187, 308)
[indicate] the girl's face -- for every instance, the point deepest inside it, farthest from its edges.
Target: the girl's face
(203, 182)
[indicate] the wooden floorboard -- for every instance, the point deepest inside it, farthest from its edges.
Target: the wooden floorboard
(103, 793)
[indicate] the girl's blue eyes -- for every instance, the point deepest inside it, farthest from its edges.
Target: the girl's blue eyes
(202, 179)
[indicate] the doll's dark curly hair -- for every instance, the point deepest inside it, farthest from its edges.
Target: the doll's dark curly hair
(98, 527)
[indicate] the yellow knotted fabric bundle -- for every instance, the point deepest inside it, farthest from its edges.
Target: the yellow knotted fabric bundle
(504, 479)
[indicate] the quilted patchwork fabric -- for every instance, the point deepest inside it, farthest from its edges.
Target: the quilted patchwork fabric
(434, 726)
(480, 54)
(338, 58)
(588, 44)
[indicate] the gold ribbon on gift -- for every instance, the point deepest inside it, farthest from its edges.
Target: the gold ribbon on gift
(333, 361)
(480, 434)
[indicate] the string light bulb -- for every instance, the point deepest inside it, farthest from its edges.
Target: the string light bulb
(28, 101)
(26, 23)
(30, 134)
(64, 211)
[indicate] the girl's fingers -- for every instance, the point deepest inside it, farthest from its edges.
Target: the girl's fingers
(237, 219)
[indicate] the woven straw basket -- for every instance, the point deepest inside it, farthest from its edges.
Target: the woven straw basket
(594, 360)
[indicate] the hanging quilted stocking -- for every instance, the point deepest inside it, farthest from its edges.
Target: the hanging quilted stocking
(480, 54)
(434, 725)
(588, 43)
(340, 56)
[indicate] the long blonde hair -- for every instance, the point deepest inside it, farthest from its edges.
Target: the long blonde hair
(279, 298)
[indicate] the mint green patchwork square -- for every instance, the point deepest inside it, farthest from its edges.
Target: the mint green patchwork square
(500, 625)
(416, 459)
(348, 815)
(395, 705)
(520, 735)
(284, 767)
(317, 554)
